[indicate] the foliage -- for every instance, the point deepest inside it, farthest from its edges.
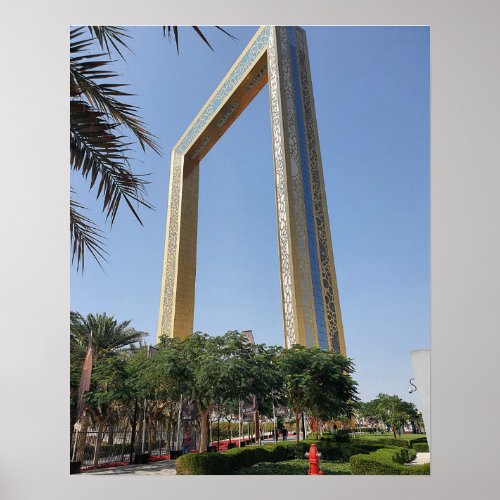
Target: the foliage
(239, 458)
(404, 441)
(218, 372)
(387, 461)
(110, 340)
(391, 410)
(108, 387)
(317, 380)
(420, 447)
(99, 119)
(232, 460)
(296, 467)
(168, 30)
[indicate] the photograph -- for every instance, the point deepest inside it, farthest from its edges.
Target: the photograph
(249, 250)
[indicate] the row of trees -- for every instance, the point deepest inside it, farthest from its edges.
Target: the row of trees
(391, 411)
(212, 372)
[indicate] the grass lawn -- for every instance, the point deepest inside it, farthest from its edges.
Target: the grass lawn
(296, 467)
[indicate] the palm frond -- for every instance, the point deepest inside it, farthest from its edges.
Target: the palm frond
(98, 149)
(101, 155)
(227, 33)
(168, 29)
(85, 236)
(86, 74)
(202, 36)
(113, 36)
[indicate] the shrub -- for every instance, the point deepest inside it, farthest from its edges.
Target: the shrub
(389, 461)
(233, 460)
(386, 441)
(420, 447)
(239, 458)
(295, 467)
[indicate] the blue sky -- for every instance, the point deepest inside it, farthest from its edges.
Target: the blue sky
(371, 89)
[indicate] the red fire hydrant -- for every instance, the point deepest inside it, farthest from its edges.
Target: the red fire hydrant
(313, 457)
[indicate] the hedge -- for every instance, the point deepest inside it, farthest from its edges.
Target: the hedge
(238, 458)
(420, 447)
(232, 460)
(295, 467)
(387, 441)
(388, 461)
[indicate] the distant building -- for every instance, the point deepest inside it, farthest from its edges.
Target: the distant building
(249, 336)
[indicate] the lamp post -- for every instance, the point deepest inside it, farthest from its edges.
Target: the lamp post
(413, 387)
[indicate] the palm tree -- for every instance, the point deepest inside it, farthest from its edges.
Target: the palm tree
(99, 120)
(108, 336)
(109, 339)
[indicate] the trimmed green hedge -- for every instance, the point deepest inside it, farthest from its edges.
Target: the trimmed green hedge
(388, 461)
(232, 460)
(295, 467)
(420, 447)
(238, 458)
(387, 441)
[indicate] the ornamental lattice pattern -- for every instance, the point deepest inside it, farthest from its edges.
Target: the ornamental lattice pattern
(281, 196)
(171, 264)
(302, 267)
(319, 207)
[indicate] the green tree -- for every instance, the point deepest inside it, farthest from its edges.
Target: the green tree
(393, 411)
(110, 340)
(109, 389)
(317, 380)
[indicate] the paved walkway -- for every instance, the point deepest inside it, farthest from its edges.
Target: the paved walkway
(422, 458)
(161, 468)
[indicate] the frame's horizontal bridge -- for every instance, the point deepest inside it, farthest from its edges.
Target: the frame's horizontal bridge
(220, 121)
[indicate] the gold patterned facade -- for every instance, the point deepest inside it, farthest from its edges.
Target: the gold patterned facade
(311, 309)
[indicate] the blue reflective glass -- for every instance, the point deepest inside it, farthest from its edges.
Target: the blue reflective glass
(308, 201)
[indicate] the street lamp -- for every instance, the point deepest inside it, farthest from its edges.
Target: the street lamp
(413, 387)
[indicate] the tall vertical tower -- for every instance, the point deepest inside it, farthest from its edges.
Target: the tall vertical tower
(311, 309)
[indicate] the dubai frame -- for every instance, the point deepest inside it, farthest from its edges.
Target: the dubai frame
(311, 310)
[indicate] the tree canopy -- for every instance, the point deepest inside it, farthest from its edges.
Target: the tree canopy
(318, 381)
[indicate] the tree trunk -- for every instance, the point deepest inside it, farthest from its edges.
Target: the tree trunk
(257, 428)
(297, 425)
(149, 436)
(138, 435)
(394, 432)
(97, 454)
(203, 429)
(111, 435)
(81, 440)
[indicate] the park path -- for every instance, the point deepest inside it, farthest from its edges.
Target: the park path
(163, 468)
(421, 458)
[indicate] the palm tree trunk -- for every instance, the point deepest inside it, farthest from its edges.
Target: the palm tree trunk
(82, 440)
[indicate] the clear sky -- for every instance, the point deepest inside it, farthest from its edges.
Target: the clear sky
(371, 89)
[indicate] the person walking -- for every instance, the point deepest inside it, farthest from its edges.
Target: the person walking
(186, 442)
